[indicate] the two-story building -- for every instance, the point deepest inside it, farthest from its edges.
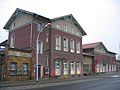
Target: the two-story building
(60, 43)
(102, 60)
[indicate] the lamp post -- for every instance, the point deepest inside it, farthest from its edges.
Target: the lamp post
(37, 50)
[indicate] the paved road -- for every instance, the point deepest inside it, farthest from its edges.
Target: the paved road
(110, 83)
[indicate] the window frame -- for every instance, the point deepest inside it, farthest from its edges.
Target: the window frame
(65, 27)
(25, 71)
(65, 44)
(40, 47)
(39, 26)
(13, 65)
(12, 41)
(72, 46)
(58, 43)
(77, 47)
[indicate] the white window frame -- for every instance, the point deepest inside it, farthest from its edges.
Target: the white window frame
(72, 46)
(39, 27)
(78, 67)
(72, 67)
(77, 47)
(65, 44)
(40, 47)
(57, 67)
(65, 67)
(66, 27)
(58, 26)
(12, 41)
(58, 42)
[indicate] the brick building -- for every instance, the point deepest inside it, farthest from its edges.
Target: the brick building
(60, 44)
(103, 60)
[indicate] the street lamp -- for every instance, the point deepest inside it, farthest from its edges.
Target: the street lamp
(37, 50)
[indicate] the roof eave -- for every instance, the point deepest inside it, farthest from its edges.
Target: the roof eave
(18, 11)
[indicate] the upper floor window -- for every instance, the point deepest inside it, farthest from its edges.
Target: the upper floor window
(72, 47)
(39, 27)
(40, 47)
(13, 68)
(12, 42)
(65, 27)
(58, 26)
(58, 42)
(47, 35)
(65, 43)
(77, 47)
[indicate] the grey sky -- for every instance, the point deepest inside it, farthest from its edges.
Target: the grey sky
(99, 18)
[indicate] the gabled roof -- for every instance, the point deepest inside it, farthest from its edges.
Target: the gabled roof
(90, 45)
(93, 45)
(17, 12)
(4, 43)
(73, 20)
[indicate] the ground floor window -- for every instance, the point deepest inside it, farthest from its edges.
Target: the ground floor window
(65, 64)
(13, 68)
(109, 67)
(57, 67)
(72, 67)
(106, 67)
(78, 67)
(97, 67)
(24, 68)
(101, 67)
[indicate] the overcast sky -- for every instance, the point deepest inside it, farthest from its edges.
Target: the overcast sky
(99, 18)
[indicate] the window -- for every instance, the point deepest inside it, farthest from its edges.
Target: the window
(24, 68)
(72, 49)
(77, 47)
(40, 47)
(12, 42)
(73, 67)
(13, 24)
(65, 43)
(65, 27)
(58, 42)
(57, 67)
(39, 27)
(65, 67)
(47, 35)
(58, 26)
(13, 68)
(78, 67)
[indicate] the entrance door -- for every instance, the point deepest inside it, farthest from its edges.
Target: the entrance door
(86, 68)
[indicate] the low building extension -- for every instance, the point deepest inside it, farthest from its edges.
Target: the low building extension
(102, 60)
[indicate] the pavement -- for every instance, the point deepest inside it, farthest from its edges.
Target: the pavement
(21, 85)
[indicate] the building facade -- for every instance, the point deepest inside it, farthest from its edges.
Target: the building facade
(15, 65)
(103, 60)
(60, 43)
